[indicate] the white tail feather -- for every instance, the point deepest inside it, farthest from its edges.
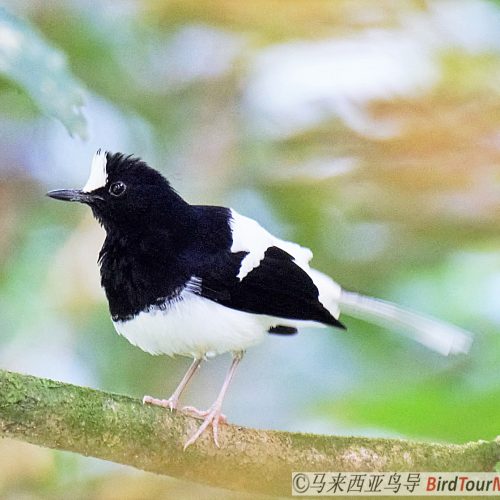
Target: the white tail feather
(434, 334)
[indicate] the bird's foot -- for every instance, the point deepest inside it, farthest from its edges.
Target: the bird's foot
(164, 403)
(212, 416)
(194, 412)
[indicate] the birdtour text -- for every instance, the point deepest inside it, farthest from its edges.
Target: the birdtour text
(462, 483)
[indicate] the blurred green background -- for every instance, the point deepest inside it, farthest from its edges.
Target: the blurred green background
(368, 131)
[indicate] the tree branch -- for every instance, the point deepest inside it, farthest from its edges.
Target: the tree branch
(121, 429)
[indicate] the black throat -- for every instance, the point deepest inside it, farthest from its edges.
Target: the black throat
(141, 268)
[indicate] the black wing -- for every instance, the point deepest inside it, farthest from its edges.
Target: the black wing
(276, 287)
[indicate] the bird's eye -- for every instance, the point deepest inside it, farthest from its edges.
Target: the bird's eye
(117, 188)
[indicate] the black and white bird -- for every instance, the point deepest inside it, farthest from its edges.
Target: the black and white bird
(199, 281)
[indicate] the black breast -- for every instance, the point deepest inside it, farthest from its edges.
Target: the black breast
(153, 267)
(138, 275)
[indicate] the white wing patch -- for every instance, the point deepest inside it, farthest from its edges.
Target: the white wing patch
(249, 236)
(98, 175)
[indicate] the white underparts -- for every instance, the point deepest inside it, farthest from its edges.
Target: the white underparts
(98, 175)
(197, 327)
(193, 326)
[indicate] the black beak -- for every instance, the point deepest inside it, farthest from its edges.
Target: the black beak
(72, 195)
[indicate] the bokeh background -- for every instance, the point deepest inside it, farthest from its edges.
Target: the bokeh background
(368, 131)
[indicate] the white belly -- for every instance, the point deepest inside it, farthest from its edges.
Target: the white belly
(194, 327)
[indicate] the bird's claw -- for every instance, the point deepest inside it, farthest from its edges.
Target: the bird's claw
(212, 416)
(194, 412)
(170, 403)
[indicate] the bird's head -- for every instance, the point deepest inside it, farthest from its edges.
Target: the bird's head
(125, 194)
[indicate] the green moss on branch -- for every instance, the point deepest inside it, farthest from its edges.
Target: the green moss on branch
(121, 429)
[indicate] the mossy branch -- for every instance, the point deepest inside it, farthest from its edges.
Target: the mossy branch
(121, 429)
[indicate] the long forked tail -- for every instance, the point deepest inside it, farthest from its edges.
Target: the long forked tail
(434, 334)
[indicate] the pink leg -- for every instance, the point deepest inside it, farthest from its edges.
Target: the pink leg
(173, 400)
(213, 415)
